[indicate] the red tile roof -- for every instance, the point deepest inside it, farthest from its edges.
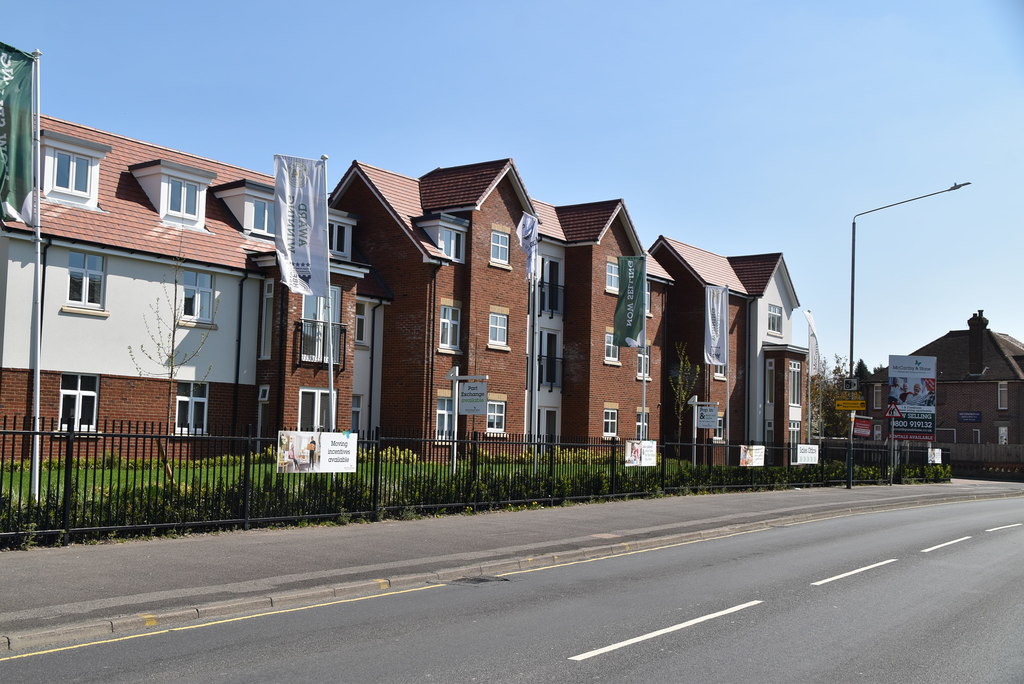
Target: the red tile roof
(587, 222)
(709, 268)
(402, 195)
(549, 223)
(127, 219)
(755, 271)
(460, 186)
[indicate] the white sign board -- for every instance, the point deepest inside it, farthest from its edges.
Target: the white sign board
(641, 453)
(316, 452)
(806, 454)
(751, 455)
(935, 456)
(473, 399)
(707, 417)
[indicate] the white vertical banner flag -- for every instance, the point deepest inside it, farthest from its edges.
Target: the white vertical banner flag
(526, 231)
(300, 207)
(716, 325)
(813, 360)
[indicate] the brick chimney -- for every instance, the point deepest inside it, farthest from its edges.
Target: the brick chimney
(976, 343)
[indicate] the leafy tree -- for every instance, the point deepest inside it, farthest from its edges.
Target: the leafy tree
(682, 380)
(825, 388)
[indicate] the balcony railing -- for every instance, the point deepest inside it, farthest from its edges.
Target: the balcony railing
(549, 371)
(312, 343)
(551, 298)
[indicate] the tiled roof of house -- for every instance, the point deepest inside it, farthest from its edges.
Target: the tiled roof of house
(460, 186)
(550, 226)
(1002, 357)
(126, 219)
(709, 268)
(402, 194)
(587, 222)
(755, 271)
(655, 269)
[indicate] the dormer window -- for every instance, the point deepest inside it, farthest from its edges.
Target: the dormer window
(263, 217)
(252, 205)
(177, 191)
(72, 169)
(448, 233)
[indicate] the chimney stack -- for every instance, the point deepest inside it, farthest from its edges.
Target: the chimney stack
(976, 343)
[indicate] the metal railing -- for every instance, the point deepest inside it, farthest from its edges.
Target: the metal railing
(312, 342)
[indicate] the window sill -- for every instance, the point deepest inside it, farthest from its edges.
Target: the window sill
(720, 377)
(361, 345)
(610, 291)
(496, 434)
(202, 325)
(500, 265)
(609, 438)
(499, 347)
(609, 362)
(645, 379)
(83, 311)
(772, 333)
(450, 352)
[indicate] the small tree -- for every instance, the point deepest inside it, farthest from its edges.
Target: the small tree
(825, 388)
(682, 380)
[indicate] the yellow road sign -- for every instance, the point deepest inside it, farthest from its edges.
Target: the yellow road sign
(851, 405)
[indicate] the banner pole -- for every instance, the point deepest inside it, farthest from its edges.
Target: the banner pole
(37, 307)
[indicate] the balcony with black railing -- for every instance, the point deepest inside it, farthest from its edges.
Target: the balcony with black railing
(549, 371)
(312, 344)
(552, 298)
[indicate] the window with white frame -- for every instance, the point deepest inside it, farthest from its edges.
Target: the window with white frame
(611, 350)
(339, 237)
(72, 173)
(1003, 434)
(497, 329)
(451, 243)
(197, 299)
(643, 423)
(79, 400)
(769, 432)
(643, 362)
(794, 433)
(647, 297)
(357, 412)
(611, 276)
(85, 279)
(72, 169)
(267, 319)
(1003, 396)
(315, 331)
(719, 371)
(610, 423)
(719, 435)
(450, 321)
(182, 198)
(876, 396)
(769, 381)
(263, 217)
(775, 319)
(499, 247)
(495, 416)
(794, 383)
(315, 410)
(445, 418)
(361, 334)
(191, 401)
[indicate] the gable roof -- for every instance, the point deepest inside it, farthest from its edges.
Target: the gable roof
(461, 186)
(707, 267)
(588, 222)
(127, 219)
(755, 271)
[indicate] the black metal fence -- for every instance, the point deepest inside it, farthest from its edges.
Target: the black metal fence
(131, 478)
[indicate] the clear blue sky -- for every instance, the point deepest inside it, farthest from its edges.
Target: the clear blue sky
(740, 127)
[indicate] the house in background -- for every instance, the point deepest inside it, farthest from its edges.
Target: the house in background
(979, 389)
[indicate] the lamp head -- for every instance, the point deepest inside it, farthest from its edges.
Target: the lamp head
(957, 186)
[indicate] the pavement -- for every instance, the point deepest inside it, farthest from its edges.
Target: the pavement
(50, 596)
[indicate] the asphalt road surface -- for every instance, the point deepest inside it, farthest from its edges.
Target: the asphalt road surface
(932, 594)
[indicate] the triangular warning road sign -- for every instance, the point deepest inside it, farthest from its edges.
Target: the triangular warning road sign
(893, 412)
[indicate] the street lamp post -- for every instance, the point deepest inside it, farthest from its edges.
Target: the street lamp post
(853, 272)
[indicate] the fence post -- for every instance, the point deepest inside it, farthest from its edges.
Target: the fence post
(474, 472)
(376, 475)
(614, 479)
(69, 447)
(247, 478)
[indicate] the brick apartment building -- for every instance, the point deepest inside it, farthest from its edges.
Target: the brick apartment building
(145, 247)
(979, 389)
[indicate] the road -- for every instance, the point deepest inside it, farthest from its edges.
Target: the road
(932, 594)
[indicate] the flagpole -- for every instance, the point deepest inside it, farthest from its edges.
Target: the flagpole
(644, 429)
(330, 314)
(37, 309)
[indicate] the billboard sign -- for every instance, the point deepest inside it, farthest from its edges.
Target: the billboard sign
(316, 452)
(912, 387)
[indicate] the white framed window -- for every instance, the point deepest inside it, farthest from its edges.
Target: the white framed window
(267, 319)
(794, 439)
(495, 416)
(719, 435)
(499, 247)
(361, 334)
(643, 363)
(497, 329)
(775, 319)
(450, 322)
(339, 237)
(769, 381)
(445, 418)
(610, 423)
(71, 173)
(611, 350)
(1003, 396)
(794, 383)
(357, 412)
(647, 297)
(1003, 434)
(876, 433)
(719, 372)
(85, 279)
(314, 409)
(183, 198)
(79, 401)
(191, 401)
(451, 244)
(197, 299)
(314, 329)
(876, 396)
(769, 432)
(643, 423)
(263, 217)
(611, 276)
(71, 169)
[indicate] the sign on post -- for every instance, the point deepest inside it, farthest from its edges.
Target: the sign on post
(707, 416)
(473, 399)
(851, 405)
(912, 386)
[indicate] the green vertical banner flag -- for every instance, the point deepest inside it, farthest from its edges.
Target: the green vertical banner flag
(629, 311)
(15, 134)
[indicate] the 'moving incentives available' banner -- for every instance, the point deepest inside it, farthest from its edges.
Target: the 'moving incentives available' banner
(716, 325)
(316, 452)
(16, 134)
(629, 311)
(300, 207)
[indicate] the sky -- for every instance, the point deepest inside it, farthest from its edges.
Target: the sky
(739, 127)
